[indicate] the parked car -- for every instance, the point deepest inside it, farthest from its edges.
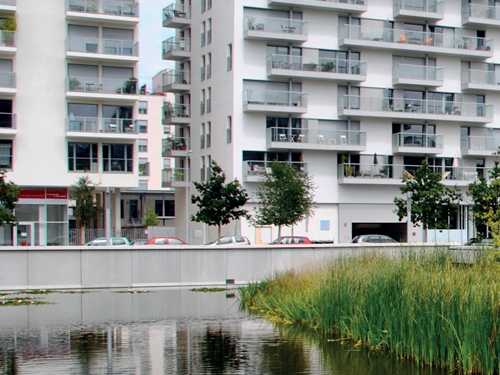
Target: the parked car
(231, 240)
(115, 241)
(57, 241)
(165, 241)
(139, 241)
(373, 238)
(292, 240)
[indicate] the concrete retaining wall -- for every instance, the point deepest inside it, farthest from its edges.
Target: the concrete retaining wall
(148, 266)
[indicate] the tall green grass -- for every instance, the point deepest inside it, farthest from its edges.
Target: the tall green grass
(422, 308)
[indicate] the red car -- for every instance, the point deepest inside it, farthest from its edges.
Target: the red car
(165, 241)
(292, 240)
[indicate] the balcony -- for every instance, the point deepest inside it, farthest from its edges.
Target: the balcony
(480, 80)
(255, 170)
(120, 12)
(106, 128)
(417, 144)
(102, 49)
(411, 109)
(379, 37)
(175, 147)
(274, 101)
(8, 125)
(176, 114)
(285, 66)
(479, 146)
(8, 43)
(176, 81)
(351, 6)
(177, 49)
(99, 88)
(480, 15)
(417, 75)
(275, 29)
(392, 174)
(419, 9)
(177, 16)
(315, 139)
(8, 6)
(174, 177)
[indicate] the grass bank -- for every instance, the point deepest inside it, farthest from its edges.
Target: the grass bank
(426, 308)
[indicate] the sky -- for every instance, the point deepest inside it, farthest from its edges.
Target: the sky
(151, 36)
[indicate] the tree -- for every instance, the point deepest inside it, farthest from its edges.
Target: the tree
(486, 202)
(431, 201)
(286, 196)
(86, 208)
(218, 202)
(8, 198)
(151, 220)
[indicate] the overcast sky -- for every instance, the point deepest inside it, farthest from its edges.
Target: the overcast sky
(151, 36)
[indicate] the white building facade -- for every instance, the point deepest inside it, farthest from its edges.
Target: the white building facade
(357, 93)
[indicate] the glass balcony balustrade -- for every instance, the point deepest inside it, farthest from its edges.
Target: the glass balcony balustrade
(435, 141)
(276, 25)
(306, 136)
(100, 125)
(481, 11)
(418, 72)
(176, 77)
(175, 144)
(176, 110)
(8, 120)
(275, 98)
(176, 44)
(299, 63)
(176, 10)
(102, 46)
(102, 85)
(427, 6)
(172, 177)
(480, 77)
(258, 168)
(480, 144)
(126, 8)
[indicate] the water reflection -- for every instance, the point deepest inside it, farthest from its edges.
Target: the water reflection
(171, 331)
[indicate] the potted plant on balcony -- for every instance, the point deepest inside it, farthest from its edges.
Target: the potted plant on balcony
(131, 86)
(8, 26)
(74, 84)
(328, 66)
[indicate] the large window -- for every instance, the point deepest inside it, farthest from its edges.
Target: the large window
(82, 156)
(117, 158)
(6, 154)
(164, 208)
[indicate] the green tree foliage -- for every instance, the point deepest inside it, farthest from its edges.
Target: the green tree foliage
(86, 208)
(151, 220)
(431, 201)
(8, 199)
(218, 202)
(486, 202)
(286, 196)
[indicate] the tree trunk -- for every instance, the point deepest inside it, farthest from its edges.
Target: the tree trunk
(82, 235)
(218, 235)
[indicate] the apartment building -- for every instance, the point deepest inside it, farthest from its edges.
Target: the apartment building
(355, 92)
(68, 104)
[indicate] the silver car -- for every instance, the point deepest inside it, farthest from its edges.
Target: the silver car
(373, 238)
(115, 241)
(231, 240)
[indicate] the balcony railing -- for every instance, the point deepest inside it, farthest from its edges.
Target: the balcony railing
(7, 80)
(480, 143)
(180, 77)
(176, 110)
(177, 44)
(102, 46)
(176, 11)
(170, 176)
(8, 120)
(282, 26)
(127, 8)
(418, 140)
(414, 106)
(430, 39)
(418, 72)
(102, 85)
(428, 6)
(259, 168)
(326, 65)
(8, 38)
(175, 144)
(486, 12)
(480, 77)
(396, 172)
(316, 136)
(100, 125)
(274, 98)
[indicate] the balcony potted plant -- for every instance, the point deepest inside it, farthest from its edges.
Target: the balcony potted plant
(8, 26)
(328, 66)
(131, 86)
(74, 84)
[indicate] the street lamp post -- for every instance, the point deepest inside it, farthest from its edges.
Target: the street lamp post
(408, 215)
(186, 173)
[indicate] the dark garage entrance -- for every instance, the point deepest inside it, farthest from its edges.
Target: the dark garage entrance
(394, 230)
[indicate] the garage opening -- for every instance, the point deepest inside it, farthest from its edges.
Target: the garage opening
(393, 230)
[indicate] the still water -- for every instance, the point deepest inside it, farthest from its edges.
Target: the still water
(169, 331)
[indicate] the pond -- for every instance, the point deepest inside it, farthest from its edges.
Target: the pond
(169, 331)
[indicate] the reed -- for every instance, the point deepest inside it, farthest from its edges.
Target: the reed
(424, 308)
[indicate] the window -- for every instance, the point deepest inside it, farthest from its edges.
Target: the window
(229, 57)
(142, 126)
(202, 169)
(209, 31)
(203, 67)
(209, 66)
(209, 134)
(202, 102)
(209, 100)
(165, 208)
(82, 157)
(143, 145)
(203, 6)
(117, 158)
(6, 154)
(167, 163)
(133, 209)
(143, 108)
(117, 118)
(202, 136)
(229, 130)
(209, 4)
(203, 32)
(209, 166)
(143, 167)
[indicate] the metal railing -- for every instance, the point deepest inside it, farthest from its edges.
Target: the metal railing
(418, 140)
(127, 8)
(275, 25)
(290, 62)
(419, 72)
(487, 12)
(480, 143)
(176, 44)
(429, 6)
(180, 77)
(102, 46)
(176, 110)
(415, 106)
(273, 98)
(175, 143)
(431, 39)
(316, 136)
(102, 85)
(75, 235)
(176, 10)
